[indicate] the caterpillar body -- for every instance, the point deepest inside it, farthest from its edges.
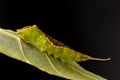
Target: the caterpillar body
(34, 36)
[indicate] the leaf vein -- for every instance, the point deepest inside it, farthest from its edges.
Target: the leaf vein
(22, 51)
(52, 65)
(82, 73)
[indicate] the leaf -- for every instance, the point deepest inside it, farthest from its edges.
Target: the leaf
(12, 46)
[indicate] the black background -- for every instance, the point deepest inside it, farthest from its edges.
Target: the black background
(89, 26)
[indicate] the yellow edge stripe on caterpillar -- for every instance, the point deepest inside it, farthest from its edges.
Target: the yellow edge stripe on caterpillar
(34, 36)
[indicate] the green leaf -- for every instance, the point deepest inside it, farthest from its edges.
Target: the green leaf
(12, 46)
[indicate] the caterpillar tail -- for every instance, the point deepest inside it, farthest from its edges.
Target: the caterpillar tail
(100, 59)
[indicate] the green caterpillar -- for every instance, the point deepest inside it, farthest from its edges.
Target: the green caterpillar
(35, 37)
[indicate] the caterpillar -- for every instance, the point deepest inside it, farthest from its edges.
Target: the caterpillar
(34, 36)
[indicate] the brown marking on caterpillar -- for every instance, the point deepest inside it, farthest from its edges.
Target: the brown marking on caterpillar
(55, 42)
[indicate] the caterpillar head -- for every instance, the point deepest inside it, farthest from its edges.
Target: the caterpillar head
(29, 34)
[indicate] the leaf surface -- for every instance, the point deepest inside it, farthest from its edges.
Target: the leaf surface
(12, 46)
